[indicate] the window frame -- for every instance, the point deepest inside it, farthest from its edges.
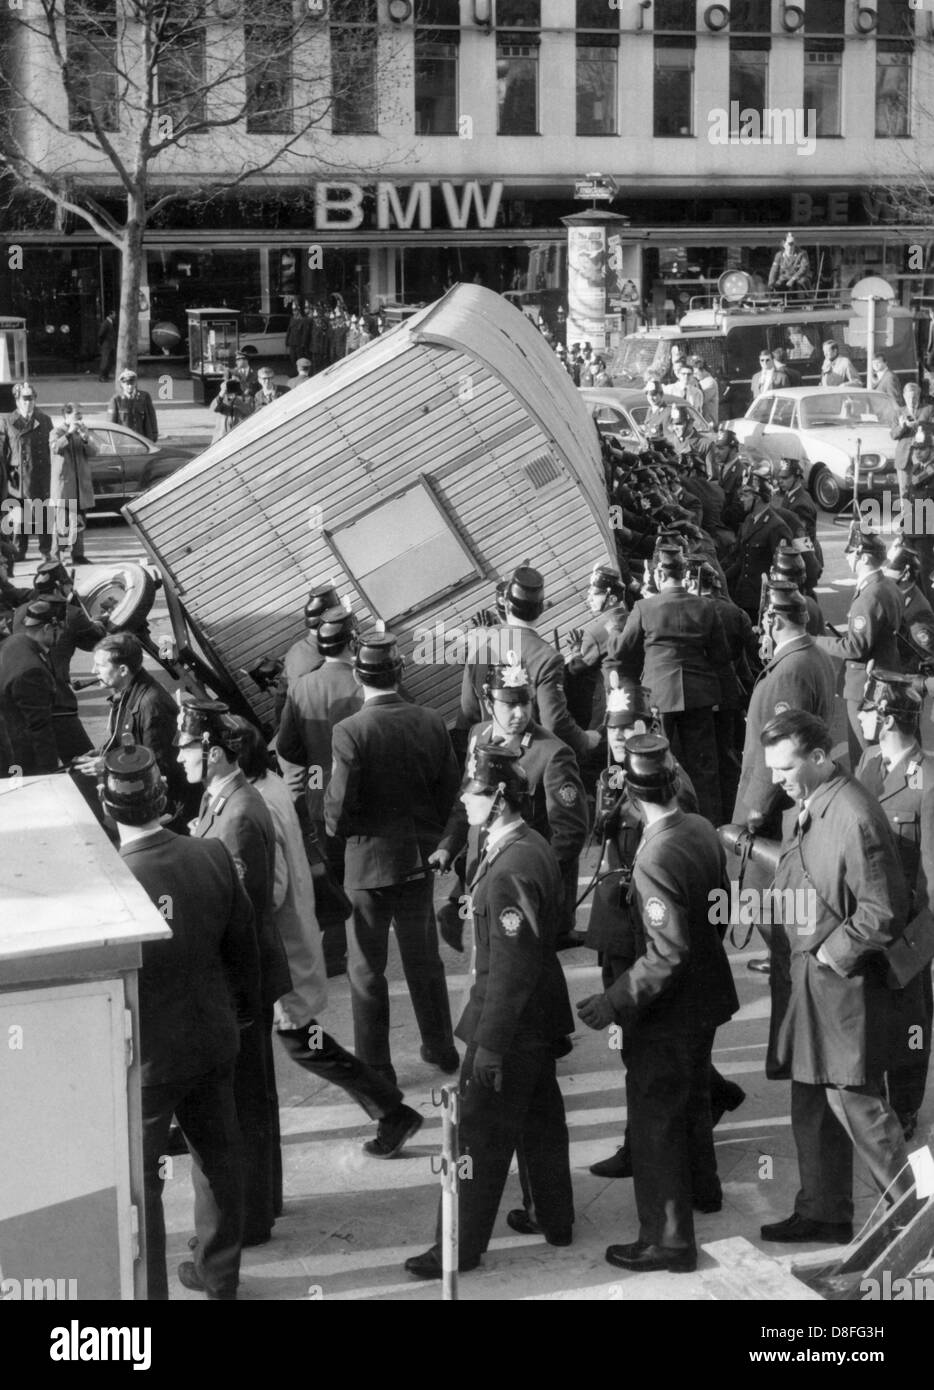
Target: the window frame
(342, 30)
(97, 39)
(435, 33)
(281, 33)
(671, 43)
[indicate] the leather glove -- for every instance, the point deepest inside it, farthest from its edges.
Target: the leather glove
(488, 1068)
(596, 1012)
(754, 822)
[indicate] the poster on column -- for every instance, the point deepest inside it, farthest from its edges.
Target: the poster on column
(623, 281)
(587, 285)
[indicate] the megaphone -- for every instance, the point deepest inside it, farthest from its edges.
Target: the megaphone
(738, 840)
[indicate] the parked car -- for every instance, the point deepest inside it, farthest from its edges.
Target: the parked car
(263, 335)
(619, 412)
(820, 427)
(126, 463)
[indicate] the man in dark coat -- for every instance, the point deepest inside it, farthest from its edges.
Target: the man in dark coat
(840, 866)
(234, 812)
(674, 643)
(916, 633)
(669, 1003)
(911, 415)
(759, 534)
(27, 691)
(606, 595)
(789, 478)
(134, 408)
(900, 775)
(107, 345)
(26, 470)
(524, 599)
(518, 1008)
(303, 656)
(872, 626)
(393, 781)
(194, 990)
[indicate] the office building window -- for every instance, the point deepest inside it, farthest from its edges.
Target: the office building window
(353, 67)
(674, 16)
(674, 87)
(268, 48)
(823, 72)
(181, 73)
(895, 19)
(597, 68)
(517, 46)
(437, 48)
(750, 16)
(749, 79)
(91, 47)
(824, 16)
(893, 88)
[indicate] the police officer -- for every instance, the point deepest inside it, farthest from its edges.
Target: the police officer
(900, 775)
(675, 644)
(393, 782)
(789, 479)
(194, 990)
(518, 1008)
(234, 812)
(27, 691)
(761, 530)
(916, 634)
(134, 408)
(873, 622)
(606, 595)
(669, 1002)
(556, 806)
(788, 567)
(524, 600)
(303, 656)
(316, 702)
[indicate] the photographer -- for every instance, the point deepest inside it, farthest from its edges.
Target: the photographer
(232, 407)
(71, 482)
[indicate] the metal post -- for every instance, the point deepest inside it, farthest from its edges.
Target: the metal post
(450, 1099)
(870, 336)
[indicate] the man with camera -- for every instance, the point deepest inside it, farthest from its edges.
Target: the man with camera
(72, 485)
(232, 405)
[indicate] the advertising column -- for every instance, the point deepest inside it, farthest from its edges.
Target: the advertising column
(603, 275)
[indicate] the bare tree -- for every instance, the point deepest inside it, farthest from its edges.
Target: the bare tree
(114, 109)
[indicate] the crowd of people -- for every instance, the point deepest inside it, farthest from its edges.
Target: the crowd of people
(691, 711)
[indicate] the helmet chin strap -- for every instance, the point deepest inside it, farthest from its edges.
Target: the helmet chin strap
(496, 806)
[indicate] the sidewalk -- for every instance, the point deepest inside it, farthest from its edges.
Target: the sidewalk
(180, 418)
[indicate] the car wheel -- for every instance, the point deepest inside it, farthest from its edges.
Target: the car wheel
(825, 489)
(124, 600)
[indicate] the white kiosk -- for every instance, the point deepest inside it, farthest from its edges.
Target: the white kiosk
(72, 918)
(14, 365)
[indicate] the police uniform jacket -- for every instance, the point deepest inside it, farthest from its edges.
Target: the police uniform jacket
(917, 628)
(25, 455)
(78, 632)
(546, 676)
(584, 687)
(758, 536)
(137, 413)
(557, 804)
(836, 1027)
(27, 699)
(302, 657)
(680, 981)
(874, 619)
(675, 643)
(519, 994)
(799, 676)
(315, 703)
(900, 792)
(146, 710)
(240, 819)
(797, 501)
(393, 782)
(744, 652)
(194, 986)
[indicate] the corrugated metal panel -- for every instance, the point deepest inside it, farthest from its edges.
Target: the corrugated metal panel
(232, 527)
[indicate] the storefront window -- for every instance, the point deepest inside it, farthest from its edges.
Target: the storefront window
(674, 87)
(436, 66)
(91, 45)
(184, 278)
(353, 67)
(517, 67)
(597, 68)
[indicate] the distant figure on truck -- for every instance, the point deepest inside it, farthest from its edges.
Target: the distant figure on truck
(791, 268)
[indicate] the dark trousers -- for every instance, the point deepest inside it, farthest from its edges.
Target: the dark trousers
(207, 1117)
(409, 908)
(671, 1139)
(696, 736)
(320, 1054)
(19, 535)
(728, 725)
(526, 1116)
(828, 1123)
(258, 1113)
(907, 1076)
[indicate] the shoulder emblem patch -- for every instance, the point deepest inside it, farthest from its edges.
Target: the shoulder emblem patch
(510, 920)
(859, 623)
(782, 706)
(567, 794)
(656, 911)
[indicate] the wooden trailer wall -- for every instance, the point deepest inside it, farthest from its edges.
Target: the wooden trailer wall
(414, 473)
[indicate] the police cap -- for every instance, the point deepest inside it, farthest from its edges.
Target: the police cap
(648, 767)
(376, 660)
(131, 789)
(491, 766)
(318, 603)
(525, 593)
(335, 631)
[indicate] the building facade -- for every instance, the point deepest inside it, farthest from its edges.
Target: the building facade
(453, 135)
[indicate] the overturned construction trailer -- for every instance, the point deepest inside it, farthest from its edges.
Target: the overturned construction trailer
(413, 474)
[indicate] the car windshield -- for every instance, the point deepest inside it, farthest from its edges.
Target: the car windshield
(843, 409)
(636, 356)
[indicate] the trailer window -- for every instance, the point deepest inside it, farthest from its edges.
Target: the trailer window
(404, 553)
